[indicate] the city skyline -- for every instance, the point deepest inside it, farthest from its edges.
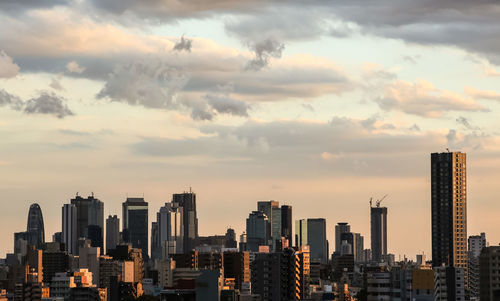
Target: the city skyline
(330, 228)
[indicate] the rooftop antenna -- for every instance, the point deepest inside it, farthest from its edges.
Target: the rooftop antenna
(371, 201)
(447, 149)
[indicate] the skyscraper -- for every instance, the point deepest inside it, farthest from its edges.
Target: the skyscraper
(340, 228)
(170, 238)
(35, 228)
(189, 227)
(287, 223)
(273, 212)
(112, 232)
(90, 212)
(312, 233)
(135, 224)
(378, 232)
(449, 209)
(257, 230)
(69, 228)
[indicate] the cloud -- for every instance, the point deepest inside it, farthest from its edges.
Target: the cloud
(264, 51)
(7, 99)
(465, 123)
(183, 44)
(482, 94)
(73, 67)
(423, 99)
(8, 68)
(49, 104)
(55, 83)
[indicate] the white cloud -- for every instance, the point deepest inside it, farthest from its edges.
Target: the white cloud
(8, 68)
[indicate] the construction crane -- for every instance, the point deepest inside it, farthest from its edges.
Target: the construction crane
(377, 202)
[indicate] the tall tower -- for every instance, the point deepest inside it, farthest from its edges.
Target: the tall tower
(449, 209)
(69, 230)
(286, 223)
(312, 232)
(189, 227)
(135, 224)
(378, 231)
(273, 212)
(112, 232)
(340, 229)
(90, 219)
(35, 228)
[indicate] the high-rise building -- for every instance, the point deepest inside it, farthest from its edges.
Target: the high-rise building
(378, 232)
(189, 226)
(340, 228)
(257, 231)
(69, 228)
(356, 245)
(170, 237)
(273, 212)
(90, 212)
(112, 232)
(20, 244)
(287, 223)
(135, 224)
(489, 269)
(35, 228)
(476, 245)
(155, 242)
(449, 284)
(312, 232)
(89, 259)
(449, 209)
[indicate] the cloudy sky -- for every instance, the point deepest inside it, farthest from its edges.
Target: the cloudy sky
(319, 104)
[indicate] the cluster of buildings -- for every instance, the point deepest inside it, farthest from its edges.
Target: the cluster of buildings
(276, 258)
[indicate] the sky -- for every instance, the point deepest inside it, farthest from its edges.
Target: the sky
(318, 104)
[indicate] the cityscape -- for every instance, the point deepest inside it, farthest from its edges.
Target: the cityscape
(128, 257)
(237, 150)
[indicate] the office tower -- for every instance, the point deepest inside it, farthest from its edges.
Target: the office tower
(20, 244)
(340, 228)
(355, 243)
(489, 269)
(378, 232)
(449, 284)
(155, 242)
(69, 228)
(287, 223)
(135, 224)
(257, 231)
(95, 235)
(230, 241)
(312, 233)
(189, 226)
(242, 246)
(34, 260)
(170, 236)
(112, 232)
(476, 245)
(35, 228)
(54, 260)
(90, 212)
(273, 212)
(449, 209)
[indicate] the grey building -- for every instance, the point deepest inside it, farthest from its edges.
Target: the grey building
(35, 228)
(312, 232)
(273, 212)
(287, 223)
(90, 212)
(257, 231)
(489, 271)
(112, 232)
(449, 209)
(449, 283)
(69, 228)
(170, 238)
(135, 224)
(378, 229)
(189, 227)
(476, 245)
(340, 228)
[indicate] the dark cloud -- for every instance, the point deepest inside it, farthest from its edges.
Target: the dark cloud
(24, 5)
(264, 51)
(48, 103)
(226, 105)
(183, 44)
(466, 124)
